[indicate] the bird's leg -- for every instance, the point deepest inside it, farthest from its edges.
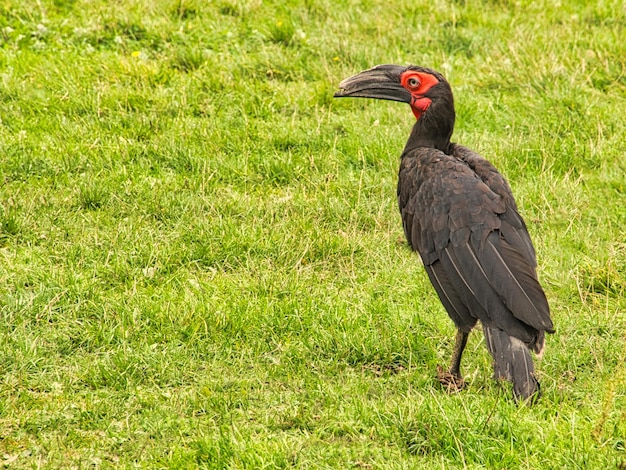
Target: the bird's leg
(459, 345)
(452, 379)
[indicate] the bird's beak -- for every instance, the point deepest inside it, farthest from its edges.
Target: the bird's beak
(381, 82)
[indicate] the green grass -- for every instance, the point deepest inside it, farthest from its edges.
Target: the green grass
(201, 261)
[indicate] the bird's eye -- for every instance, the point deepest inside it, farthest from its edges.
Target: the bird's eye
(413, 82)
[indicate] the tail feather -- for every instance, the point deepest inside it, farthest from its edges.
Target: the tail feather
(512, 361)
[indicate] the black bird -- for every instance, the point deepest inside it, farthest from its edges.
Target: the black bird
(459, 214)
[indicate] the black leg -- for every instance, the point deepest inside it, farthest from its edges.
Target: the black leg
(459, 345)
(452, 379)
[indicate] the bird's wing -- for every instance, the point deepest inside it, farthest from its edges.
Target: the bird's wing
(461, 227)
(512, 225)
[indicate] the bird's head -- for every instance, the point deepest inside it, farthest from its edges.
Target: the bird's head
(427, 92)
(418, 86)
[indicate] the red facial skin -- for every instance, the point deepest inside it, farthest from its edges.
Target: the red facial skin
(418, 83)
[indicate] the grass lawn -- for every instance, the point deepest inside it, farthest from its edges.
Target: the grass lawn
(202, 262)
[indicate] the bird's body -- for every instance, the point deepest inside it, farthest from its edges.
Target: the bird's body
(459, 214)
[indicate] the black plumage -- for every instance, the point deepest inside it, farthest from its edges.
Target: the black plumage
(459, 214)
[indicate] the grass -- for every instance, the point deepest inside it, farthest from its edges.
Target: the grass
(200, 252)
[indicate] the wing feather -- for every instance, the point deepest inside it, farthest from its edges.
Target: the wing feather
(460, 215)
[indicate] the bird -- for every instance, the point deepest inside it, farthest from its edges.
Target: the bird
(458, 212)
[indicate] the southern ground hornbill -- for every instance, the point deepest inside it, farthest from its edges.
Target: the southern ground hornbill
(459, 213)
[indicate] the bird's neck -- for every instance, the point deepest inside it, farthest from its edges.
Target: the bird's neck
(421, 139)
(434, 126)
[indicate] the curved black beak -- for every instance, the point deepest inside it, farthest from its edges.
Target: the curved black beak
(381, 82)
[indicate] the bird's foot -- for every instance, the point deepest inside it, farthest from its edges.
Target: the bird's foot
(452, 383)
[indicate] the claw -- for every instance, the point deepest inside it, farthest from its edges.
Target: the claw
(451, 382)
